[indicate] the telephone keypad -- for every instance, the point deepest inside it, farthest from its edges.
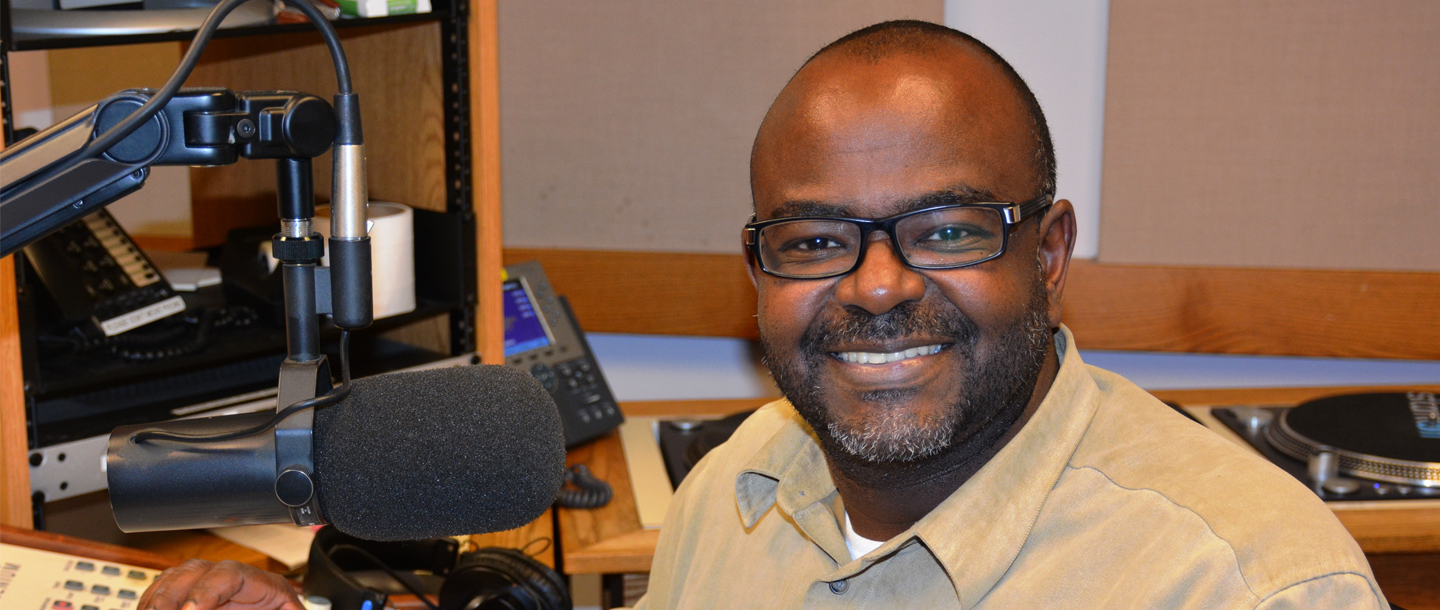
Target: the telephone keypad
(563, 364)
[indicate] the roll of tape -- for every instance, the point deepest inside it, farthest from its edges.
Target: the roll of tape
(392, 255)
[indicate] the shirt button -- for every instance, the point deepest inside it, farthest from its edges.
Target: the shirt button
(838, 587)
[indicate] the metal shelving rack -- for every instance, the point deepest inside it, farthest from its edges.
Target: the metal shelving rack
(451, 233)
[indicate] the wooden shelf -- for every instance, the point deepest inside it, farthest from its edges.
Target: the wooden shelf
(72, 42)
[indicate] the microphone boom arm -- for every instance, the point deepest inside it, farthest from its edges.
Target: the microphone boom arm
(104, 153)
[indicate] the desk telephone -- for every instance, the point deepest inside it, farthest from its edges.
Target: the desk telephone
(542, 338)
(97, 274)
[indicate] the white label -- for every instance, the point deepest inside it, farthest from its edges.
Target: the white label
(142, 316)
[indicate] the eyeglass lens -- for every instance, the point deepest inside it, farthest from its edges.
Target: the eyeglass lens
(946, 237)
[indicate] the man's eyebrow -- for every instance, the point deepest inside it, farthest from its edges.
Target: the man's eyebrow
(801, 208)
(953, 195)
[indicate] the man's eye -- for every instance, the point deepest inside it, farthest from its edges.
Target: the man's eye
(813, 244)
(952, 234)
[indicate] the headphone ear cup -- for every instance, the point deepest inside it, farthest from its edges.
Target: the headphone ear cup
(495, 573)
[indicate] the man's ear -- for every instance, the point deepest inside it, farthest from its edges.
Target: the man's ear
(1057, 242)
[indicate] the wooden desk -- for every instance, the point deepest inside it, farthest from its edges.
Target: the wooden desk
(84, 548)
(609, 539)
(1401, 540)
(176, 547)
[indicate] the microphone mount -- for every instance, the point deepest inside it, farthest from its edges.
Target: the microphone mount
(104, 153)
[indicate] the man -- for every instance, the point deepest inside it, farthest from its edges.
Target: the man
(942, 445)
(946, 448)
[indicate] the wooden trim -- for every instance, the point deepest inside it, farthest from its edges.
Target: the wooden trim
(1273, 396)
(654, 293)
(56, 543)
(702, 409)
(1354, 314)
(1351, 314)
(14, 466)
(485, 132)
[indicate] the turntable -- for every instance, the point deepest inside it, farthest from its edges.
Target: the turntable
(1382, 446)
(684, 441)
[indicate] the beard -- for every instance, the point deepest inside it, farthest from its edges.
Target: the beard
(995, 392)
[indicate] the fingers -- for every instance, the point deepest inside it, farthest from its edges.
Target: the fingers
(169, 591)
(228, 585)
(285, 590)
(220, 584)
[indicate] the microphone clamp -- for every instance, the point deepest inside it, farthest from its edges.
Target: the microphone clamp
(295, 488)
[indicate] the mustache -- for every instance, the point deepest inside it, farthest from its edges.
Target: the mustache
(906, 320)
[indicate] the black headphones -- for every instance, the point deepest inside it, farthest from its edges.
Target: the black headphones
(486, 579)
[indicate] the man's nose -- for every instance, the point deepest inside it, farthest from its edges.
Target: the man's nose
(882, 281)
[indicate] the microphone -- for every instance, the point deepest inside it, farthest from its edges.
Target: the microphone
(406, 456)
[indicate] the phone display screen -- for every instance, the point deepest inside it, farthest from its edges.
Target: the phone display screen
(524, 330)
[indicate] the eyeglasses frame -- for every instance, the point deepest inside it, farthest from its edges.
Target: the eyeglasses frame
(1012, 213)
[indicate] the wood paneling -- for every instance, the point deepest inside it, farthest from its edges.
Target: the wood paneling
(485, 167)
(1385, 527)
(396, 71)
(1355, 314)
(651, 292)
(1408, 580)
(1272, 396)
(691, 408)
(14, 468)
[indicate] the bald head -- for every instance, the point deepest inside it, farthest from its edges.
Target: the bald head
(915, 84)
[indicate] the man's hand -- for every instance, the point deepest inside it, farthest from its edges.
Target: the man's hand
(228, 585)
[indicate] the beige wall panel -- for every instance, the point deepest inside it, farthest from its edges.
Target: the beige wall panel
(1289, 133)
(627, 125)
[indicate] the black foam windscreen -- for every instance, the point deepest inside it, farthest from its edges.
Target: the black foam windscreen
(443, 452)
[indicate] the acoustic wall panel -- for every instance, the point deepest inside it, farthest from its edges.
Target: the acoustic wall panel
(1286, 133)
(627, 125)
(1059, 49)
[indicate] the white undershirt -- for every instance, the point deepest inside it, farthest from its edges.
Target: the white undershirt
(859, 545)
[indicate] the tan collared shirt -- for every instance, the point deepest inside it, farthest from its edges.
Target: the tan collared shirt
(1105, 499)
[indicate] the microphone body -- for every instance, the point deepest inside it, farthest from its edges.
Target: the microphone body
(405, 456)
(163, 485)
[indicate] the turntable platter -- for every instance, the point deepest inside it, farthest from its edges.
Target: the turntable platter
(1393, 437)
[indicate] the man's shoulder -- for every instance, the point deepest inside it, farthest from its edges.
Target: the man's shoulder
(1279, 531)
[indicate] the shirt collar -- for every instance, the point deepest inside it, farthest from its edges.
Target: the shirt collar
(975, 533)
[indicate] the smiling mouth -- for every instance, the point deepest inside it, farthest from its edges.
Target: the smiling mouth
(887, 357)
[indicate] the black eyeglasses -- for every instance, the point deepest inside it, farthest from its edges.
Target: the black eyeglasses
(942, 237)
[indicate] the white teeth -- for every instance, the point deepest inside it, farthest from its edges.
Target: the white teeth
(882, 358)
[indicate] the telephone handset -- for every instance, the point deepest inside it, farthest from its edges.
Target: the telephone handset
(542, 339)
(97, 274)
